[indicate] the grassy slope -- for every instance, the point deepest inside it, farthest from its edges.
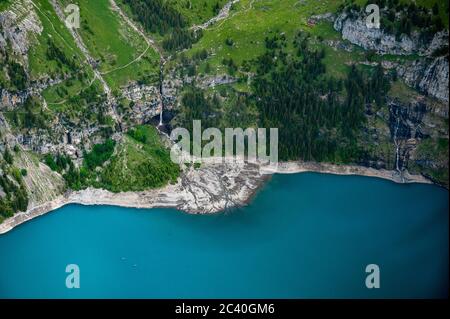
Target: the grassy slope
(40, 65)
(252, 21)
(58, 100)
(110, 40)
(139, 165)
(55, 30)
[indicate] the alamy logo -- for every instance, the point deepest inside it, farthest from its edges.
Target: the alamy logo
(236, 140)
(373, 19)
(373, 279)
(73, 279)
(73, 17)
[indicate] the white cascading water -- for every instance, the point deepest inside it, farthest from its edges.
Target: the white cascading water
(397, 146)
(397, 151)
(161, 95)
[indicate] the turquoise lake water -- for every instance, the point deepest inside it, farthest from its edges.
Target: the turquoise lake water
(303, 236)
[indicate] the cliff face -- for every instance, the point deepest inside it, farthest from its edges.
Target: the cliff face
(418, 134)
(428, 74)
(356, 31)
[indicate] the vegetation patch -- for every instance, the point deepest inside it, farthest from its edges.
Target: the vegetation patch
(198, 11)
(404, 17)
(13, 193)
(163, 19)
(251, 22)
(55, 53)
(141, 162)
(432, 159)
(122, 54)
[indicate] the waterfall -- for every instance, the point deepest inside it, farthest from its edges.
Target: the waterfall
(161, 93)
(161, 116)
(397, 151)
(397, 146)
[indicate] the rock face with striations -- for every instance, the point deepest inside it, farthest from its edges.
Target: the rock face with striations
(411, 124)
(428, 74)
(354, 29)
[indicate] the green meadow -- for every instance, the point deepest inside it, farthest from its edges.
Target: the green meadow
(123, 54)
(140, 162)
(251, 21)
(56, 31)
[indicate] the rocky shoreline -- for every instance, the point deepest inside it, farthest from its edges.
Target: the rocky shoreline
(209, 189)
(325, 168)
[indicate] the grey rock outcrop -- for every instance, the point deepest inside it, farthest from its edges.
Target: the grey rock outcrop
(356, 31)
(430, 76)
(17, 26)
(8, 99)
(146, 102)
(353, 28)
(440, 40)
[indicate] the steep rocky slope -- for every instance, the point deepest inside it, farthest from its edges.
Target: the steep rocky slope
(19, 25)
(427, 73)
(61, 97)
